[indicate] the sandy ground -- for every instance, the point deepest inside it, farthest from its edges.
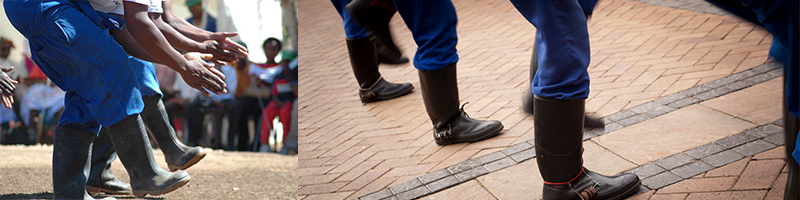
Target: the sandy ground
(25, 173)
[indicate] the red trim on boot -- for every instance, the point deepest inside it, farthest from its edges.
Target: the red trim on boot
(564, 183)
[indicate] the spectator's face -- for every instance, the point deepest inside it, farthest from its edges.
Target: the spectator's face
(271, 51)
(5, 50)
(196, 10)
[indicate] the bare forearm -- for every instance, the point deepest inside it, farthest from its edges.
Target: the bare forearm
(177, 39)
(157, 45)
(126, 40)
(180, 25)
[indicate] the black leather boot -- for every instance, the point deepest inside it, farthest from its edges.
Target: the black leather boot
(365, 67)
(451, 124)
(527, 98)
(101, 179)
(558, 134)
(134, 150)
(791, 126)
(71, 151)
(375, 16)
(178, 155)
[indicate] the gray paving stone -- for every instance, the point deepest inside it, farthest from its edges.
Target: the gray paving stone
(692, 169)
(722, 158)
(674, 161)
(517, 148)
(759, 78)
(524, 155)
(695, 90)
(776, 72)
(735, 140)
(589, 134)
(647, 170)
(433, 176)
(413, 193)
(764, 131)
(684, 102)
(500, 164)
(714, 93)
(652, 105)
(490, 157)
(633, 120)
(766, 67)
(390, 198)
(738, 85)
(777, 139)
(405, 186)
(743, 75)
(753, 148)
(705, 150)
(377, 195)
(642, 190)
(470, 174)
(778, 122)
(620, 115)
(463, 166)
(442, 184)
(659, 111)
(719, 82)
(613, 127)
(661, 180)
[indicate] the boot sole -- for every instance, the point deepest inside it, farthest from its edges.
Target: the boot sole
(495, 132)
(630, 191)
(97, 190)
(174, 187)
(191, 162)
(400, 94)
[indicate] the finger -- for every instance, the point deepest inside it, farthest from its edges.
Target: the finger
(201, 89)
(7, 101)
(221, 62)
(14, 81)
(212, 88)
(8, 69)
(219, 75)
(222, 35)
(206, 56)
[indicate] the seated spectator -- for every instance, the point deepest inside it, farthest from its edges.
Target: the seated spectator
(283, 97)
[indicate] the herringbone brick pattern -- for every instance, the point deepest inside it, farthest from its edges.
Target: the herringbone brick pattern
(640, 52)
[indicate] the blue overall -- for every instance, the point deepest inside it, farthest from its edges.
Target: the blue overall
(433, 26)
(352, 29)
(780, 18)
(80, 58)
(146, 76)
(562, 42)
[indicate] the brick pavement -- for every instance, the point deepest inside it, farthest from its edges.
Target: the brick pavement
(641, 52)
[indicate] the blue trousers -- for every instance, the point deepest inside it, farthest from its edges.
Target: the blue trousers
(562, 43)
(433, 26)
(352, 29)
(780, 18)
(80, 58)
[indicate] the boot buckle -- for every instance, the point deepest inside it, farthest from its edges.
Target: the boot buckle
(444, 134)
(367, 93)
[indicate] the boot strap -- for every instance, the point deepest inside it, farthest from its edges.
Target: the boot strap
(367, 93)
(446, 134)
(587, 193)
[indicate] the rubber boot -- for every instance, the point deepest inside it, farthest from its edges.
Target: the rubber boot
(791, 126)
(558, 134)
(450, 124)
(134, 150)
(101, 179)
(375, 15)
(527, 98)
(71, 151)
(365, 67)
(178, 155)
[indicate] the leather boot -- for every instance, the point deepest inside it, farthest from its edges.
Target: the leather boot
(71, 151)
(451, 124)
(178, 155)
(134, 150)
(558, 134)
(101, 179)
(791, 126)
(375, 16)
(527, 98)
(365, 67)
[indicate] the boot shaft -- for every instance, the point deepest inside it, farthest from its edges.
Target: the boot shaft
(440, 94)
(71, 162)
(364, 61)
(558, 134)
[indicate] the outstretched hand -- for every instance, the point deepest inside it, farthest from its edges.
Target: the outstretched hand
(224, 42)
(7, 87)
(203, 76)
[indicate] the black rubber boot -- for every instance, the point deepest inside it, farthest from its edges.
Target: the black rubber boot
(791, 126)
(101, 179)
(558, 134)
(365, 67)
(527, 98)
(134, 150)
(178, 155)
(451, 124)
(375, 16)
(71, 151)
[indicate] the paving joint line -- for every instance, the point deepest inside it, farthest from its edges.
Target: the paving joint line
(685, 168)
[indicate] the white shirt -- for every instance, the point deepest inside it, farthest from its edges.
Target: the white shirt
(117, 7)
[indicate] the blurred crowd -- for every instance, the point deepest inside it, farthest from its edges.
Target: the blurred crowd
(259, 112)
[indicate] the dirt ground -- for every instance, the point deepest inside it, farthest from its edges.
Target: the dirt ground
(25, 173)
